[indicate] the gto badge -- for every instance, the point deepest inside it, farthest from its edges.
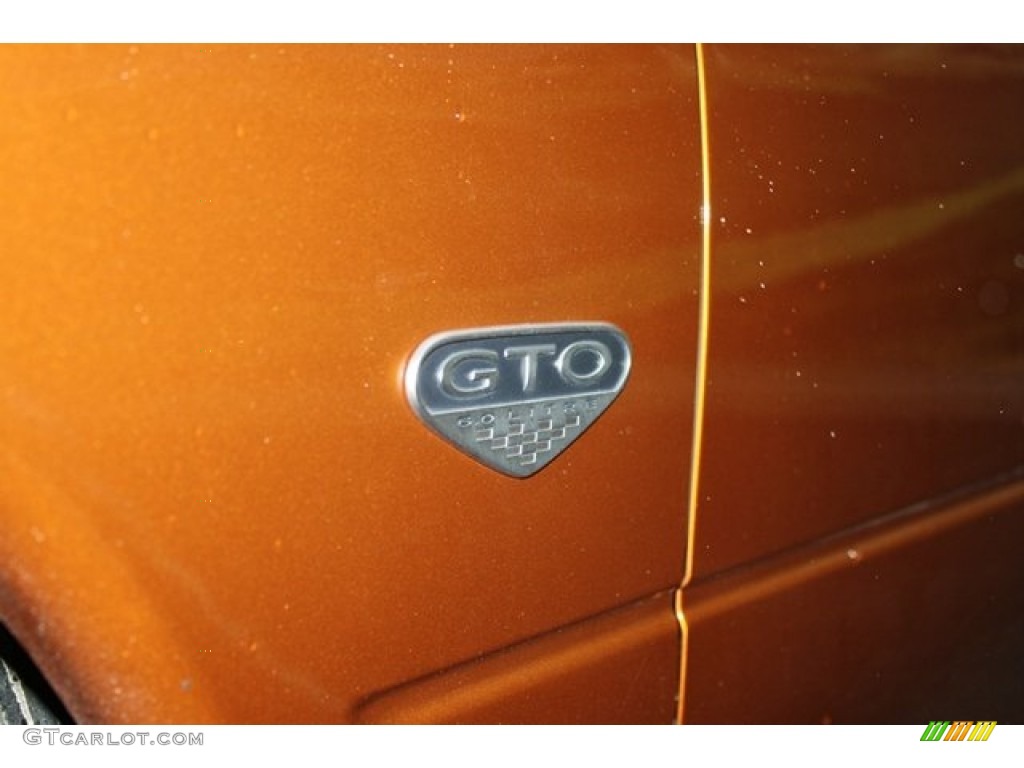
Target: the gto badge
(515, 397)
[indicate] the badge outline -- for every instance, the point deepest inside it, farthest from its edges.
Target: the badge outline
(410, 376)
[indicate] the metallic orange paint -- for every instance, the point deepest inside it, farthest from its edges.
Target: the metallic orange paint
(216, 504)
(620, 667)
(867, 306)
(865, 363)
(894, 621)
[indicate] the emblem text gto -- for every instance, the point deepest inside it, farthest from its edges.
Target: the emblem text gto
(515, 397)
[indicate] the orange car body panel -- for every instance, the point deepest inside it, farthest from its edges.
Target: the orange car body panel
(217, 506)
(866, 349)
(856, 548)
(216, 503)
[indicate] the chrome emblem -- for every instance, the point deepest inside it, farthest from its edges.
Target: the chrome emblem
(515, 397)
